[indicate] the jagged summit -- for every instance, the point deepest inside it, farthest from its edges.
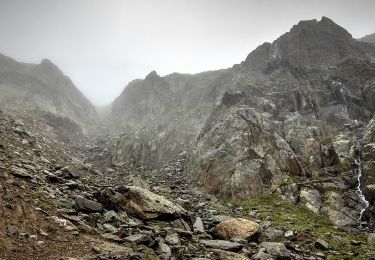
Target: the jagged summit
(324, 25)
(49, 67)
(152, 75)
(309, 43)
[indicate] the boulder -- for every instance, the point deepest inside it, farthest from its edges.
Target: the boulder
(222, 244)
(69, 172)
(311, 198)
(19, 172)
(111, 237)
(220, 218)
(147, 205)
(273, 233)
(276, 250)
(164, 250)
(137, 238)
(11, 229)
(198, 225)
(140, 203)
(110, 216)
(321, 244)
(225, 255)
(237, 228)
(261, 255)
(111, 199)
(64, 223)
(86, 205)
(371, 239)
(172, 239)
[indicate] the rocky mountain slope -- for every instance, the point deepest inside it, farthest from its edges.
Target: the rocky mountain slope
(368, 38)
(289, 118)
(43, 87)
(270, 159)
(56, 204)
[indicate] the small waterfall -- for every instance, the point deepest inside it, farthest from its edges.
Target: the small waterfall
(359, 189)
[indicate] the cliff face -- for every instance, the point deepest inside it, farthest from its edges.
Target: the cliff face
(43, 87)
(287, 119)
(161, 116)
(300, 72)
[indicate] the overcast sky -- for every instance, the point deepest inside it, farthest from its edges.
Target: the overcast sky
(103, 44)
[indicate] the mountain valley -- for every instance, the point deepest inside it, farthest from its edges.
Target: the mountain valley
(272, 158)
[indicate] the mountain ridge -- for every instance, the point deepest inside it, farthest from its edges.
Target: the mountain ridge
(193, 166)
(250, 128)
(44, 87)
(368, 38)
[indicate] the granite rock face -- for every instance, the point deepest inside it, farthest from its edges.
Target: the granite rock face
(239, 155)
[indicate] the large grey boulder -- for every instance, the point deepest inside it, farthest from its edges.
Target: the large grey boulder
(87, 205)
(276, 250)
(222, 244)
(311, 198)
(140, 203)
(237, 228)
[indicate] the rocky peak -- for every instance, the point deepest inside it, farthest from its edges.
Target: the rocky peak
(152, 75)
(310, 43)
(324, 26)
(48, 67)
(317, 43)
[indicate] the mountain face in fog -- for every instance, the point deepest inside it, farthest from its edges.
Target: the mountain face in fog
(42, 87)
(294, 109)
(177, 106)
(250, 128)
(287, 136)
(368, 38)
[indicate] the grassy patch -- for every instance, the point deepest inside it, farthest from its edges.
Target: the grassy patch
(287, 216)
(150, 254)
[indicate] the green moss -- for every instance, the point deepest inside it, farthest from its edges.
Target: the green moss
(287, 216)
(150, 254)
